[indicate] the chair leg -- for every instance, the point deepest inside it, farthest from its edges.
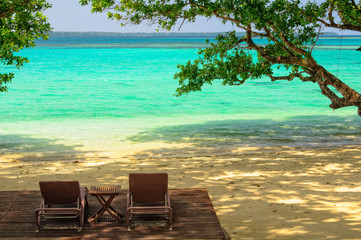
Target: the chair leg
(128, 214)
(170, 220)
(86, 203)
(37, 217)
(81, 219)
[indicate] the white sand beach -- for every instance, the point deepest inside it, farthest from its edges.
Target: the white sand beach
(258, 193)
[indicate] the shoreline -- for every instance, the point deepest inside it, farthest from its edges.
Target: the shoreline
(160, 151)
(258, 193)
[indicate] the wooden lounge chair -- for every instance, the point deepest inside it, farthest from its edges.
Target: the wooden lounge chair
(62, 199)
(148, 194)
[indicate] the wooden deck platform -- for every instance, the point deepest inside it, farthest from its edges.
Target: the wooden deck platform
(194, 218)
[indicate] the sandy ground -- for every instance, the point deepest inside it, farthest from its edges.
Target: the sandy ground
(269, 193)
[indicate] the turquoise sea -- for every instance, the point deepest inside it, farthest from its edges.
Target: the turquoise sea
(117, 95)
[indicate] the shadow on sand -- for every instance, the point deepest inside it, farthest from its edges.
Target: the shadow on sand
(226, 135)
(30, 149)
(296, 130)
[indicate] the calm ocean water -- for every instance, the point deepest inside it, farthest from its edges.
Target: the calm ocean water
(111, 94)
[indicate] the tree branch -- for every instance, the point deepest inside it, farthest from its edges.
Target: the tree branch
(330, 11)
(336, 102)
(270, 35)
(238, 82)
(318, 36)
(291, 77)
(290, 45)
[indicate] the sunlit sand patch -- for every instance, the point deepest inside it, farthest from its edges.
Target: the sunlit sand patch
(291, 201)
(354, 218)
(233, 175)
(336, 167)
(93, 164)
(225, 210)
(278, 193)
(331, 220)
(286, 232)
(51, 169)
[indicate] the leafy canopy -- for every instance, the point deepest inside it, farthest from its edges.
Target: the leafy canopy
(21, 22)
(289, 30)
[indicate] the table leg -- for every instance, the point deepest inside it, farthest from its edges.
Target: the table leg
(109, 208)
(105, 207)
(112, 212)
(100, 211)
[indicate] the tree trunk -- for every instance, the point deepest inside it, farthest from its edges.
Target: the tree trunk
(350, 97)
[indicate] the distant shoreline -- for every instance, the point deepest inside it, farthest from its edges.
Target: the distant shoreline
(135, 35)
(159, 35)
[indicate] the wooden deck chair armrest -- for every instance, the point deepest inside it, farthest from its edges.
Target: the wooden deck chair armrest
(167, 198)
(129, 200)
(83, 195)
(82, 203)
(57, 211)
(42, 202)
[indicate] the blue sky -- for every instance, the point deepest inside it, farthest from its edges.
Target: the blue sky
(68, 15)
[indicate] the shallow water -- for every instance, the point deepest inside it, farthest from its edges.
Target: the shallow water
(113, 94)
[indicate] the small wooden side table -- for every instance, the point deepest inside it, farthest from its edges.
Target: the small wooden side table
(100, 192)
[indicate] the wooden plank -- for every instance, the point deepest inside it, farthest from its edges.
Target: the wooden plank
(194, 218)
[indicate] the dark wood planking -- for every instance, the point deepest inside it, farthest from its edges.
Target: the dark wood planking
(194, 218)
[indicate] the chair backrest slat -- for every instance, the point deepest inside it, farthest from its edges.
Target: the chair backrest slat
(148, 187)
(70, 191)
